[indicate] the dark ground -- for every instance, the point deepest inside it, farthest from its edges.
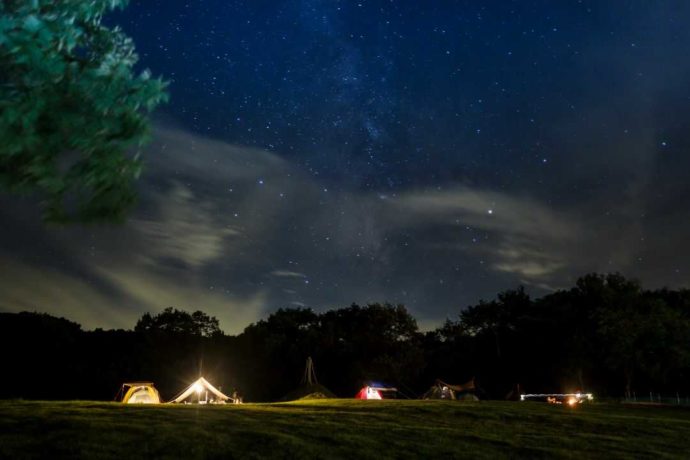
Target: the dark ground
(342, 429)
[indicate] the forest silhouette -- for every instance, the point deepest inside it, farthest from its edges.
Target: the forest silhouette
(606, 335)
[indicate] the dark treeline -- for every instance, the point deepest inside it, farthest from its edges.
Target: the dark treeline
(606, 335)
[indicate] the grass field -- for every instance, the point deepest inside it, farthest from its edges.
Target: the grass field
(342, 429)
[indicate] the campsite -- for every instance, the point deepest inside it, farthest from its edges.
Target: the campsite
(379, 422)
(177, 386)
(344, 229)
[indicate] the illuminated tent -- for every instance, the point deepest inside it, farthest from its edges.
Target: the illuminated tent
(139, 393)
(309, 387)
(374, 392)
(443, 390)
(199, 392)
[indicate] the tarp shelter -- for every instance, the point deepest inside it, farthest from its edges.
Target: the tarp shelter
(139, 393)
(443, 390)
(309, 386)
(374, 392)
(202, 392)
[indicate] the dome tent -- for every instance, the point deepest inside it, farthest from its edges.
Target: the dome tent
(139, 393)
(376, 391)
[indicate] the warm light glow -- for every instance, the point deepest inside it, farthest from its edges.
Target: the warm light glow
(559, 398)
(198, 388)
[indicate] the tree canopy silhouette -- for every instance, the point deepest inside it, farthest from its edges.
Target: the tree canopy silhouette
(172, 320)
(606, 334)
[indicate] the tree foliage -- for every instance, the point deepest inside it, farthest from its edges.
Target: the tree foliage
(72, 109)
(172, 320)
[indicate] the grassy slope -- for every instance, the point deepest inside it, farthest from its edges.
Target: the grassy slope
(341, 429)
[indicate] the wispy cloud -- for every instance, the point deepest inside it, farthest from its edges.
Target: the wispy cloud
(487, 210)
(184, 228)
(287, 274)
(234, 231)
(525, 237)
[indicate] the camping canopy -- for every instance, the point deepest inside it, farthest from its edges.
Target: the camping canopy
(140, 393)
(443, 390)
(199, 387)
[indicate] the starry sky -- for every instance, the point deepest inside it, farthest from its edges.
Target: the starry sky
(321, 152)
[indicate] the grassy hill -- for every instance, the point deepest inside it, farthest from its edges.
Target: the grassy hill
(341, 429)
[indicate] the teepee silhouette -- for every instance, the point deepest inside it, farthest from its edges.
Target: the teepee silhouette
(309, 377)
(309, 388)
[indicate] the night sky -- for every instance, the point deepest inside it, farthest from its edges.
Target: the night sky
(321, 152)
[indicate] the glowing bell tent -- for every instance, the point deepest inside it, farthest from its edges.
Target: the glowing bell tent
(443, 390)
(202, 392)
(139, 393)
